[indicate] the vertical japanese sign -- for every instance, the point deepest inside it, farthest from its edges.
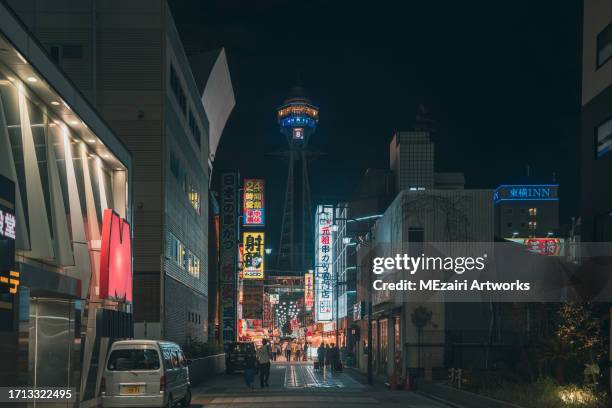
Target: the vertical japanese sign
(324, 267)
(253, 202)
(253, 255)
(9, 278)
(228, 255)
(252, 303)
(308, 291)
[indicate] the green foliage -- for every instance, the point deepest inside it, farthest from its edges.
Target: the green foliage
(543, 393)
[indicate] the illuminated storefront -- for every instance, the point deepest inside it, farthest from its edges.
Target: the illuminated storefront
(66, 212)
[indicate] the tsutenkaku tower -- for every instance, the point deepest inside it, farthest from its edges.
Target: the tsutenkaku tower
(297, 119)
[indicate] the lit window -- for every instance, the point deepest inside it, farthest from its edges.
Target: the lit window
(194, 198)
(533, 211)
(533, 225)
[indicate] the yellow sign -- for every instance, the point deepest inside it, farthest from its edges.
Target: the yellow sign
(12, 281)
(253, 255)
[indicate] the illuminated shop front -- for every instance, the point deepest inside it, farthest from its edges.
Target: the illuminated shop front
(65, 193)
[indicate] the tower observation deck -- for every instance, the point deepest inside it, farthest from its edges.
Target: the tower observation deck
(297, 119)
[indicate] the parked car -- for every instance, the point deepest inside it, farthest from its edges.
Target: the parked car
(145, 373)
(236, 355)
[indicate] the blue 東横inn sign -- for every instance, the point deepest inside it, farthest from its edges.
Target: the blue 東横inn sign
(539, 192)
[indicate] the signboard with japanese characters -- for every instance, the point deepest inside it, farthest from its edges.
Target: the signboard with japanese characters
(324, 268)
(542, 246)
(308, 291)
(253, 203)
(228, 254)
(253, 255)
(274, 298)
(252, 301)
(9, 278)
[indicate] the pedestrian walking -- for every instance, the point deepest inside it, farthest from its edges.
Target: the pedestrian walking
(305, 351)
(335, 357)
(327, 356)
(249, 369)
(294, 348)
(287, 352)
(263, 359)
(298, 354)
(273, 348)
(321, 355)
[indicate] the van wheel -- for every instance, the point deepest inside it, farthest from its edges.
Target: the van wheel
(186, 399)
(170, 404)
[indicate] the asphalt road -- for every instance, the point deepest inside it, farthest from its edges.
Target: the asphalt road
(298, 385)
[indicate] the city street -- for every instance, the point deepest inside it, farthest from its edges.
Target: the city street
(298, 385)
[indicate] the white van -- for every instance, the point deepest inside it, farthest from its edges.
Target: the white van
(145, 373)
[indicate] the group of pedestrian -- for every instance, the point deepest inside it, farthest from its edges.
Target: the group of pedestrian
(294, 349)
(329, 357)
(260, 361)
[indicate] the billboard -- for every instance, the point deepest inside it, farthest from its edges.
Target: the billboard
(253, 203)
(228, 254)
(115, 258)
(324, 268)
(253, 255)
(308, 291)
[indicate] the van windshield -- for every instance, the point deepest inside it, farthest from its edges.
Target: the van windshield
(133, 360)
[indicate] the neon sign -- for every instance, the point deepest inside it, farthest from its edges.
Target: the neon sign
(324, 268)
(253, 202)
(308, 291)
(545, 192)
(253, 255)
(115, 258)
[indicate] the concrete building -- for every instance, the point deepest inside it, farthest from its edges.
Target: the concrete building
(127, 58)
(65, 214)
(526, 211)
(596, 126)
(413, 219)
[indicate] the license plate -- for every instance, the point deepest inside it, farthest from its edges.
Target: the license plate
(131, 389)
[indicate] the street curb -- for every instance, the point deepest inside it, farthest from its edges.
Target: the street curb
(440, 400)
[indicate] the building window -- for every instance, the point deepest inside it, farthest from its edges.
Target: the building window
(603, 136)
(604, 46)
(177, 90)
(182, 256)
(194, 198)
(533, 211)
(195, 129)
(533, 225)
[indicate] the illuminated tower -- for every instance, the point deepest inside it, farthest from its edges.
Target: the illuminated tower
(298, 120)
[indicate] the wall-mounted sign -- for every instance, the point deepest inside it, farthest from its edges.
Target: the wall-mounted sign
(308, 291)
(538, 192)
(253, 202)
(274, 298)
(542, 246)
(324, 267)
(115, 258)
(228, 254)
(253, 255)
(358, 309)
(252, 301)
(9, 278)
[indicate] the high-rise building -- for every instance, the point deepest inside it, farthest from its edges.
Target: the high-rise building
(596, 122)
(412, 160)
(66, 185)
(128, 60)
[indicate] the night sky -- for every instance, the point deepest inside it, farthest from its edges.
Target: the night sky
(501, 80)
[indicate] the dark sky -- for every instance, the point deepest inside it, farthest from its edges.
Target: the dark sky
(501, 80)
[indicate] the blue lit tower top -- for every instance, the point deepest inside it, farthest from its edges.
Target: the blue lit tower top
(298, 118)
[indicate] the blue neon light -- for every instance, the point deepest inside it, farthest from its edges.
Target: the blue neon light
(292, 121)
(540, 192)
